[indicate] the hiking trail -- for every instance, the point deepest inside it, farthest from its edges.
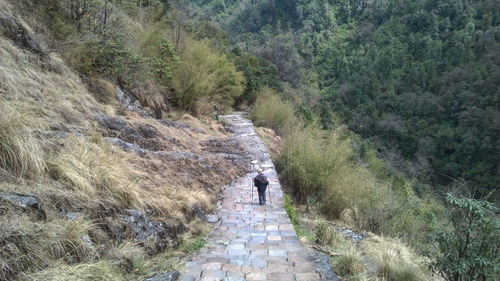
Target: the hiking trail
(253, 242)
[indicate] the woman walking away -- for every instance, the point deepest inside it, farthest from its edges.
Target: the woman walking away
(261, 183)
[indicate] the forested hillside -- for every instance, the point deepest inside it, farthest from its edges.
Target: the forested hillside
(419, 79)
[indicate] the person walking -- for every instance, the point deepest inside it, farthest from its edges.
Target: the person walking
(261, 182)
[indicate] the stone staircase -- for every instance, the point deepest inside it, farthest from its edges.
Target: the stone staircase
(253, 242)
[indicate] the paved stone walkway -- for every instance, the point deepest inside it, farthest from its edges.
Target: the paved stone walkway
(253, 242)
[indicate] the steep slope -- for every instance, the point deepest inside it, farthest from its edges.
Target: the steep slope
(90, 190)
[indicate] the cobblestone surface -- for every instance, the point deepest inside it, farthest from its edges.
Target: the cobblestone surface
(253, 242)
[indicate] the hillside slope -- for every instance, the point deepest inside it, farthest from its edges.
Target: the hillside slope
(90, 190)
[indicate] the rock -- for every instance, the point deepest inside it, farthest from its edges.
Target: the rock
(229, 145)
(87, 240)
(128, 102)
(122, 98)
(110, 122)
(21, 201)
(72, 215)
(25, 202)
(153, 235)
(322, 265)
(168, 276)
(125, 145)
(17, 32)
(210, 218)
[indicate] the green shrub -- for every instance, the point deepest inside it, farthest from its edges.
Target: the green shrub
(468, 250)
(270, 111)
(291, 211)
(203, 74)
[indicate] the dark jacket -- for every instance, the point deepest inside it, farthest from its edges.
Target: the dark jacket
(261, 182)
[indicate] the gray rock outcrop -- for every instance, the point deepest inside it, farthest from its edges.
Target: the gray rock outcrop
(153, 235)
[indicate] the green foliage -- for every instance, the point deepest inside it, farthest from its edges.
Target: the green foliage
(270, 111)
(419, 77)
(205, 75)
(192, 245)
(166, 60)
(258, 74)
(291, 211)
(469, 249)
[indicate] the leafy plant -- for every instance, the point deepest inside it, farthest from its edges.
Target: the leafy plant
(469, 249)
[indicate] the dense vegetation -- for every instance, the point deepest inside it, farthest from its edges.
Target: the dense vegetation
(420, 79)
(152, 50)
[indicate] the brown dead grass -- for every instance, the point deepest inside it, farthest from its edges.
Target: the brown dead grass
(394, 260)
(85, 174)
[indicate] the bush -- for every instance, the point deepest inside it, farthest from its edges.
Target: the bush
(468, 250)
(204, 74)
(270, 111)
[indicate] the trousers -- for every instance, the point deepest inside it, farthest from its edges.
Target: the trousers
(262, 196)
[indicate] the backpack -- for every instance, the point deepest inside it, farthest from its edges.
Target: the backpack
(260, 181)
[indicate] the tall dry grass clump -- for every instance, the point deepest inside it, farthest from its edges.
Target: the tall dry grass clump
(20, 152)
(271, 112)
(96, 170)
(394, 260)
(28, 244)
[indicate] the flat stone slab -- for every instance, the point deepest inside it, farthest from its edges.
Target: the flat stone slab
(253, 242)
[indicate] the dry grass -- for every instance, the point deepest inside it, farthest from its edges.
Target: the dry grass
(44, 91)
(95, 170)
(20, 152)
(349, 263)
(394, 260)
(87, 175)
(91, 271)
(27, 243)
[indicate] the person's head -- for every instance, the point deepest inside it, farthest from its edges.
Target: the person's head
(259, 170)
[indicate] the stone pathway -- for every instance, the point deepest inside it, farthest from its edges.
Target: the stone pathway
(253, 242)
